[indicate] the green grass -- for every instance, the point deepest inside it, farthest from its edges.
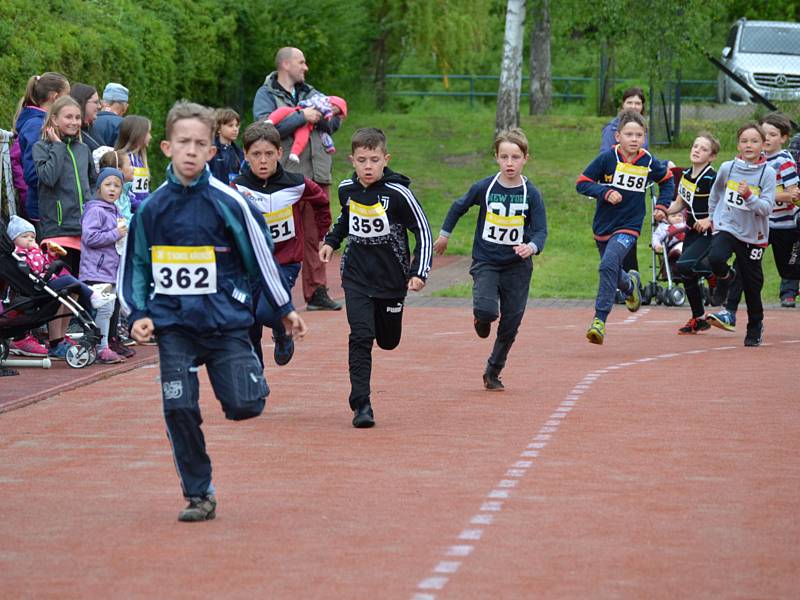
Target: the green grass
(444, 147)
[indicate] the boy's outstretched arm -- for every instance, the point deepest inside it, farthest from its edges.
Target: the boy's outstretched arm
(457, 210)
(587, 184)
(416, 222)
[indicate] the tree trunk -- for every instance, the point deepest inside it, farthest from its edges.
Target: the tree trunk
(606, 103)
(511, 67)
(541, 87)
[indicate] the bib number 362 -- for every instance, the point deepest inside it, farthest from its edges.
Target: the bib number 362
(184, 270)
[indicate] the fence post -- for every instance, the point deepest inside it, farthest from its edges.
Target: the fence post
(471, 91)
(676, 117)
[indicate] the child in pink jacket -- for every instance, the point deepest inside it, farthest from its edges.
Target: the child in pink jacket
(329, 106)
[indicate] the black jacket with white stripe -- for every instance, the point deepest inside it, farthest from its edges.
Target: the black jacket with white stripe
(378, 260)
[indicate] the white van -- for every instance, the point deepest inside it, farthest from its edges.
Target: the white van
(766, 54)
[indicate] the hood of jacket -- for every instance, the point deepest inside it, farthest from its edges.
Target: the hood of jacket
(101, 204)
(280, 179)
(29, 116)
(389, 176)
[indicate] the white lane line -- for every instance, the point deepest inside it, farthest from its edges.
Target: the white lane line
(518, 469)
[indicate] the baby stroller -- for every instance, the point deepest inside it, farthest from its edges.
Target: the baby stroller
(670, 294)
(32, 303)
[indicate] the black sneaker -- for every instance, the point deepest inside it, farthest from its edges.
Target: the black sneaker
(284, 349)
(482, 328)
(492, 382)
(320, 300)
(363, 417)
(199, 509)
(755, 334)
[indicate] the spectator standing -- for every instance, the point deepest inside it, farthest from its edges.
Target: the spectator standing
(115, 104)
(286, 86)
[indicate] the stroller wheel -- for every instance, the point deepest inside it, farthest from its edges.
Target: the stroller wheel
(660, 295)
(676, 296)
(79, 356)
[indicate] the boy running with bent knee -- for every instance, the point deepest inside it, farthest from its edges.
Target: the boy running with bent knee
(511, 227)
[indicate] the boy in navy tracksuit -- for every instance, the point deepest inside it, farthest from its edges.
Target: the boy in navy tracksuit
(618, 179)
(195, 248)
(377, 268)
(228, 159)
(511, 227)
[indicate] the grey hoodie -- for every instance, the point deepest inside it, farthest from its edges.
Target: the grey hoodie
(66, 172)
(745, 219)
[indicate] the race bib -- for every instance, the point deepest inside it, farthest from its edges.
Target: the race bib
(141, 180)
(630, 177)
(732, 197)
(280, 224)
(368, 221)
(503, 230)
(686, 191)
(184, 270)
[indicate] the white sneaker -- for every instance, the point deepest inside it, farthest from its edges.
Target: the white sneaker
(294, 158)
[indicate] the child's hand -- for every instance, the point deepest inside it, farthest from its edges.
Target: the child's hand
(523, 250)
(614, 197)
(744, 189)
(52, 135)
(122, 227)
(440, 245)
(294, 325)
(325, 253)
(657, 247)
(415, 284)
(659, 214)
(142, 329)
(795, 192)
(703, 225)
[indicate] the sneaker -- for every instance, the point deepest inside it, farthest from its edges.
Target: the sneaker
(634, 301)
(723, 319)
(117, 346)
(492, 382)
(28, 346)
(694, 325)
(363, 417)
(755, 334)
(788, 302)
(59, 352)
(150, 342)
(596, 332)
(107, 356)
(320, 300)
(125, 340)
(482, 328)
(199, 509)
(284, 349)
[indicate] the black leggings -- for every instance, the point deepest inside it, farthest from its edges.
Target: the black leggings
(748, 265)
(693, 266)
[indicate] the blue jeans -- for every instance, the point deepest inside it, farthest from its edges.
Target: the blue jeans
(612, 275)
(238, 383)
(501, 291)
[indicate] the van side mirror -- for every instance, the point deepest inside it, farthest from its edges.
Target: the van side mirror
(726, 52)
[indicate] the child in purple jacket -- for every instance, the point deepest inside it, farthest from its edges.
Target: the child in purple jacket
(102, 226)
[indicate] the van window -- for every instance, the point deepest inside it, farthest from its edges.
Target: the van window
(732, 38)
(770, 40)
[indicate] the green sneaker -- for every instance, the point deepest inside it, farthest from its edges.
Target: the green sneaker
(596, 332)
(634, 301)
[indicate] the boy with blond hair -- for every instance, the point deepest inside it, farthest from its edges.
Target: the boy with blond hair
(195, 249)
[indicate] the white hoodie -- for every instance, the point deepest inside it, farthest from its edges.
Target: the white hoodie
(745, 219)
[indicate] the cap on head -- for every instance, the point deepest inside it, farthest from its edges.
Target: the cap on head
(340, 103)
(17, 226)
(115, 92)
(109, 172)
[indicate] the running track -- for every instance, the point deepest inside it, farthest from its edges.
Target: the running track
(655, 466)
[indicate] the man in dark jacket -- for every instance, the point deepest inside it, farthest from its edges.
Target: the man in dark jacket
(105, 128)
(286, 86)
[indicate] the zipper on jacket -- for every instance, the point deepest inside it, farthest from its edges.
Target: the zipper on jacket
(77, 177)
(58, 210)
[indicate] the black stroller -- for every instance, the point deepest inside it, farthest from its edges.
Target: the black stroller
(29, 302)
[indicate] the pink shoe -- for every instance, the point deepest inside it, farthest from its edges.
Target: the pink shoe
(28, 346)
(107, 356)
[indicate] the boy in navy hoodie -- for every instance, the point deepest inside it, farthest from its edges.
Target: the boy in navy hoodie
(195, 248)
(377, 268)
(618, 180)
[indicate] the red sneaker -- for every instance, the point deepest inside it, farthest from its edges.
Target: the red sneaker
(28, 346)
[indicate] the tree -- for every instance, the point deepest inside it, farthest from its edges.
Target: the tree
(541, 85)
(511, 67)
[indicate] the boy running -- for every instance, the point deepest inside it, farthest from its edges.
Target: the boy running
(618, 178)
(195, 248)
(511, 227)
(377, 267)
